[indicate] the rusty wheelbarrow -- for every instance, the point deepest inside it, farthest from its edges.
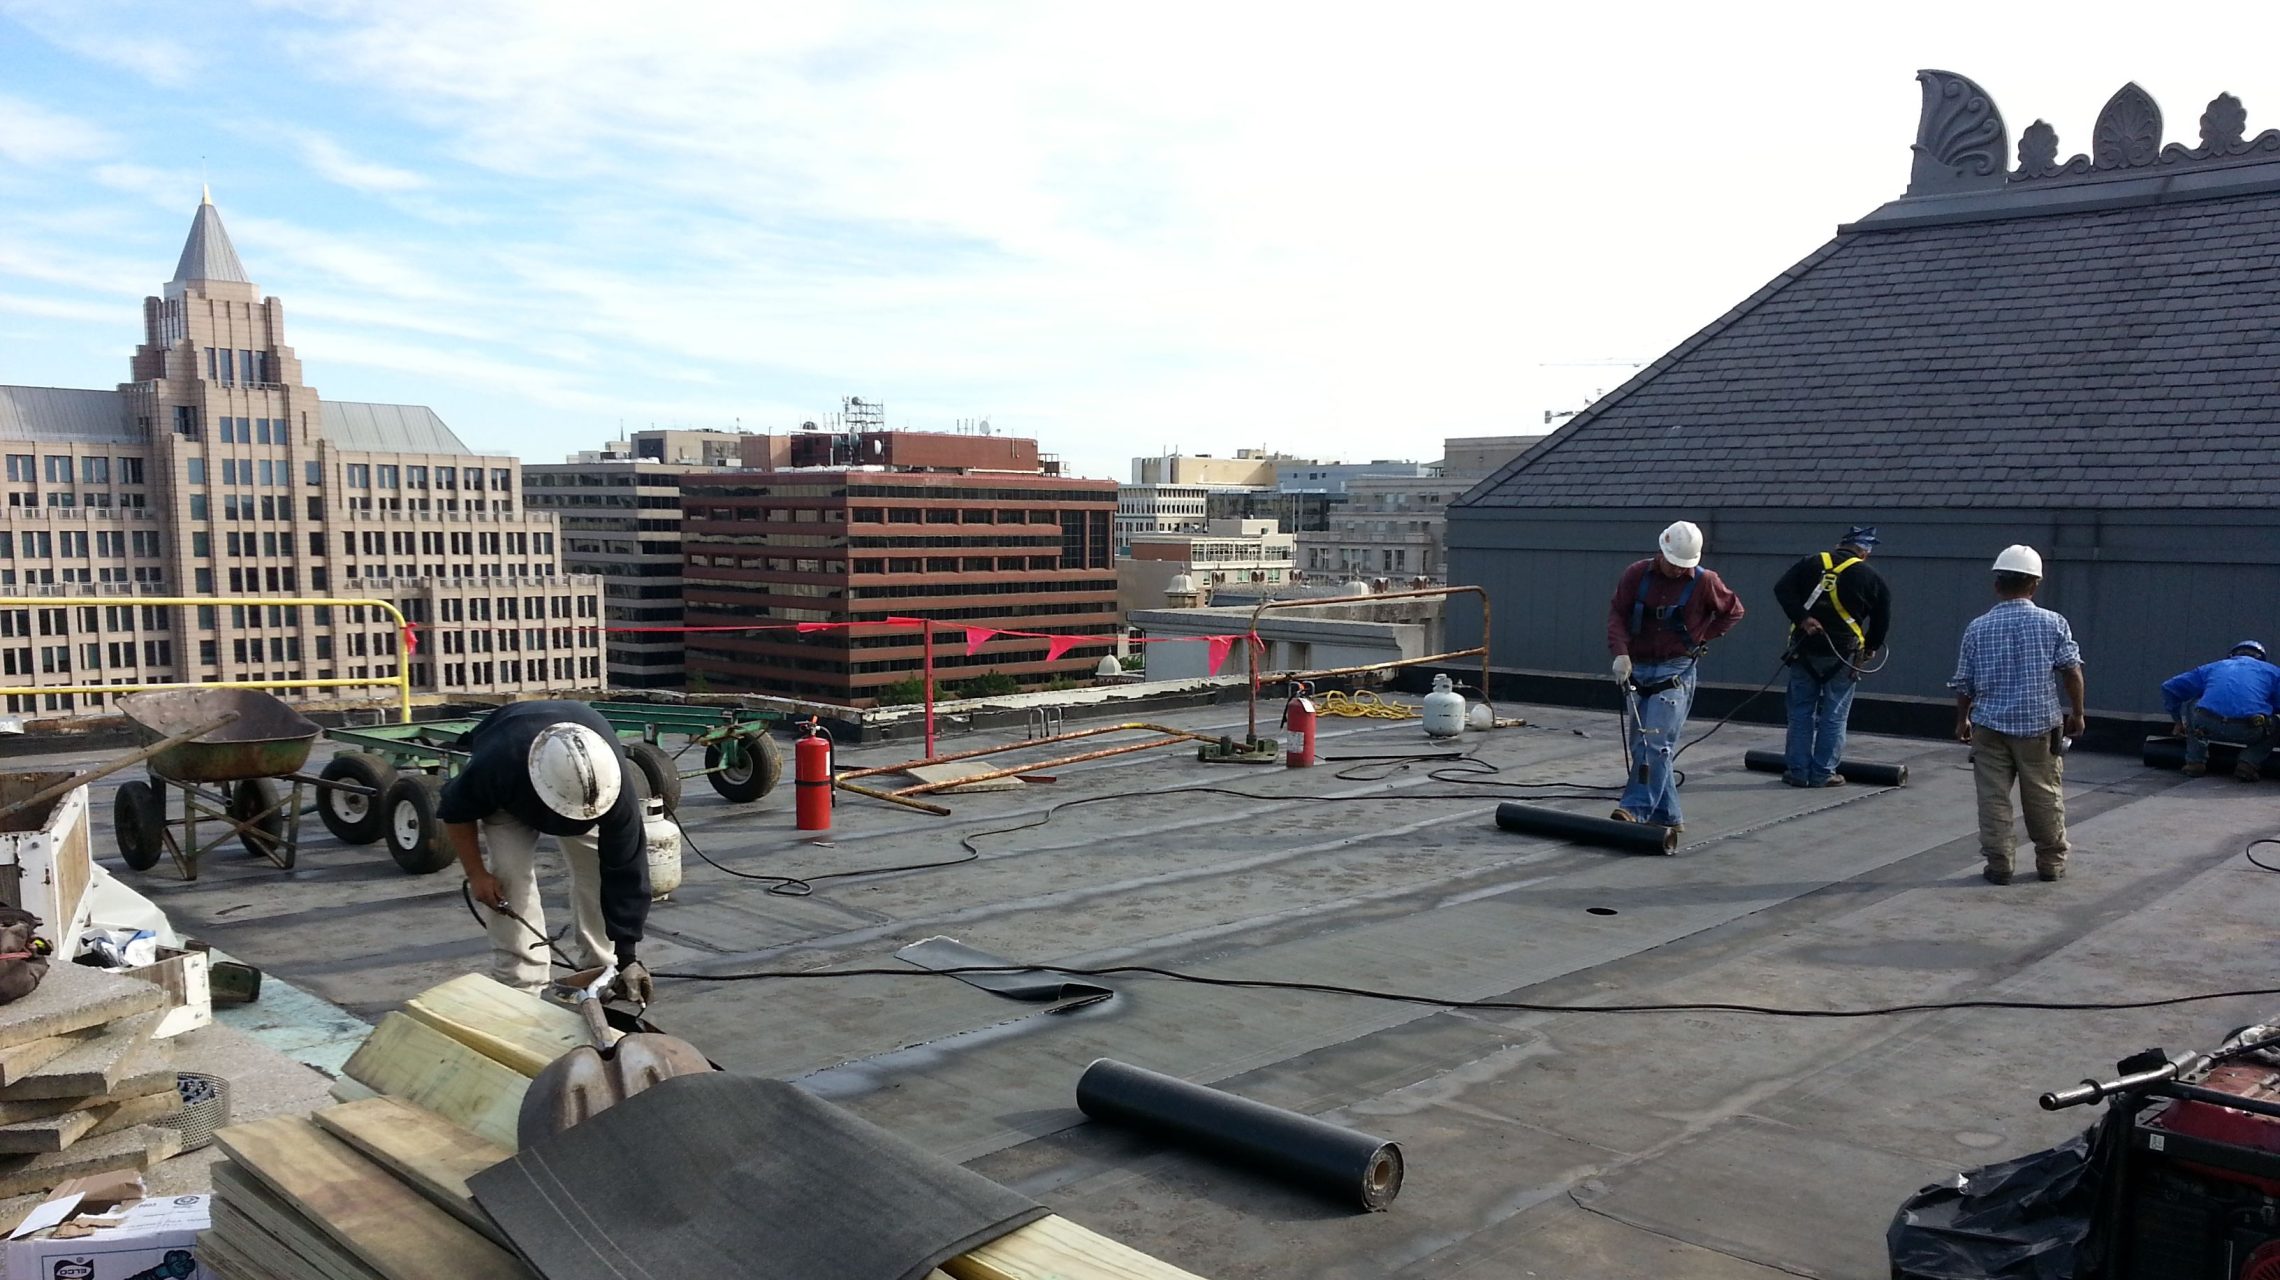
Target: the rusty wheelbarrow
(227, 774)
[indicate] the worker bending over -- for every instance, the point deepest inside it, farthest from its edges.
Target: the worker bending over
(1665, 612)
(552, 768)
(2235, 699)
(1839, 610)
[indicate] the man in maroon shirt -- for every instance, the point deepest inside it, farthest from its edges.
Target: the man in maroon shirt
(1665, 612)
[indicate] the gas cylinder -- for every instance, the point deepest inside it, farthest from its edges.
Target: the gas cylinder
(1299, 720)
(811, 779)
(661, 839)
(1444, 710)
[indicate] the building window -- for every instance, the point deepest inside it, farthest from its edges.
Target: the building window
(197, 469)
(387, 476)
(130, 471)
(94, 471)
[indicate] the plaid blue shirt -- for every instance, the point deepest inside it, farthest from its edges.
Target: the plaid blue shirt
(2007, 663)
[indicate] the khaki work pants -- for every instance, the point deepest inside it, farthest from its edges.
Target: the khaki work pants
(1999, 759)
(518, 958)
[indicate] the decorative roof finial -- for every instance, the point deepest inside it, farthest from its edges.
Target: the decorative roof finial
(205, 194)
(1961, 144)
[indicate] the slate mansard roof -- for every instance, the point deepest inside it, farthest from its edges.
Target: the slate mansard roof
(2099, 333)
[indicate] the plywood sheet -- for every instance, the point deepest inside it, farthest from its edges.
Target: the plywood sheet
(1058, 1249)
(136, 1148)
(74, 997)
(386, 1224)
(427, 1152)
(274, 1236)
(499, 1022)
(94, 1065)
(408, 1059)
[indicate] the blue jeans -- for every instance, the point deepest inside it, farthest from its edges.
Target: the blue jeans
(1817, 712)
(1657, 723)
(2255, 739)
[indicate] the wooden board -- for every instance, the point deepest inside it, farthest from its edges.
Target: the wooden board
(408, 1059)
(1057, 1249)
(71, 998)
(35, 1053)
(390, 1227)
(136, 1148)
(422, 1149)
(56, 1132)
(219, 1259)
(499, 1022)
(274, 1236)
(347, 1090)
(95, 1065)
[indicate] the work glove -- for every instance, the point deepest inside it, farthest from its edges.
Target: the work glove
(632, 985)
(1622, 667)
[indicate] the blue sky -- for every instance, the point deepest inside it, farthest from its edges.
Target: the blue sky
(1345, 231)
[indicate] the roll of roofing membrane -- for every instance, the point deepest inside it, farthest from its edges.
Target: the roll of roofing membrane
(1634, 837)
(1860, 771)
(1330, 1160)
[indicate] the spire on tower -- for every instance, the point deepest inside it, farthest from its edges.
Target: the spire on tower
(208, 254)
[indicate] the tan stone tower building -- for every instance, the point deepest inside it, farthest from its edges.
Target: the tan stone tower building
(218, 473)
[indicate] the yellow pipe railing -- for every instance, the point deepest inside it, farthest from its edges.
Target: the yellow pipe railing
(402, 679)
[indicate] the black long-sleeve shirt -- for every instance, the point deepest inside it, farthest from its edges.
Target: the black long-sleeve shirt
(1864, 594)
(496, 778)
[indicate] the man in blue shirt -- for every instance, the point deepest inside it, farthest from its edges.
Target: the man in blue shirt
(2007, 675)
(2233, 699)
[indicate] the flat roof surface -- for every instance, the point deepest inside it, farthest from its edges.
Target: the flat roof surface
(1546, 1144)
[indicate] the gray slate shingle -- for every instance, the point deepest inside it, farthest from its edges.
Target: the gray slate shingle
(2111, 358)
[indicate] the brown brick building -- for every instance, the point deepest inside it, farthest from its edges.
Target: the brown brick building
(1008, 550)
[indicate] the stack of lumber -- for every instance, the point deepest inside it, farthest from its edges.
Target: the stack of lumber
(376, 1186)
(81, 1080)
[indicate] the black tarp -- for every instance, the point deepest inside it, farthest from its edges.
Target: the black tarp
(2032, 1218)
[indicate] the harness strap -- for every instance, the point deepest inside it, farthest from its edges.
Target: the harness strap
(1672, 615)
(1830, 572)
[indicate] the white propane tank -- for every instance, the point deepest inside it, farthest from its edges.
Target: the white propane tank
(1444, 710)
(661, 838)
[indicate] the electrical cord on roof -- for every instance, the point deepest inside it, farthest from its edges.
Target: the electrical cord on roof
(1494, 1006)
(2250, 852)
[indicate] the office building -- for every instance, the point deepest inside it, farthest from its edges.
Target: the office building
(1396, 526)
(1252, 467)
(216, 471)
(1002, 549)
(1222, 551)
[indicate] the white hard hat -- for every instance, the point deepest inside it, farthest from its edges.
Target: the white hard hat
(575, 771)
(1681, 545)
(2019, 558)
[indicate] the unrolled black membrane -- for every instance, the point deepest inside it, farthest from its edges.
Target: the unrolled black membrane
(1328, 1159)
(1633, 837)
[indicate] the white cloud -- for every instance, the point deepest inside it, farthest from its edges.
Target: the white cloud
(111, 32)
(33, 135)
(330, 161)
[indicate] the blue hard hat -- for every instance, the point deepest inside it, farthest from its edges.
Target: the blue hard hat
(2253, 646)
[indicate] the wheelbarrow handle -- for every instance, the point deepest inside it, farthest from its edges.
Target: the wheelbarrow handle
(110, 767)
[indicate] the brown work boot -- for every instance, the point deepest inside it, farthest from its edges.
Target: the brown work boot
(1622, 815)
(1996, 875)
(2195, 768)
(2052, 872)
(2245, 772)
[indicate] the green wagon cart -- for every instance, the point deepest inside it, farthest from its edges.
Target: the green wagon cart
(406, 765)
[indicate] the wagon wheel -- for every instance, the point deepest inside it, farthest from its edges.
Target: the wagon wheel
(658, 771)
(752, 774)
(138, 817)
(414, 834)
(354, 818)
(254, 803)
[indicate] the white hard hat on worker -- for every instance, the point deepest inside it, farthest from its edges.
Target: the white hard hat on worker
(2019, 558)
(1681, 544)
(574, 771)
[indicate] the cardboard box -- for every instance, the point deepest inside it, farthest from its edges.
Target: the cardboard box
(155, 1239)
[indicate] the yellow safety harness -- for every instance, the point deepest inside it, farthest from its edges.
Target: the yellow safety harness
(1830, 570)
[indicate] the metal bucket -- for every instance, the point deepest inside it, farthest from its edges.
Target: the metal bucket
(267, 740)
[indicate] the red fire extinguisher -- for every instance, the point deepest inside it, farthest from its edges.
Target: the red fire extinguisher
(1298, 727)
(811, 778)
